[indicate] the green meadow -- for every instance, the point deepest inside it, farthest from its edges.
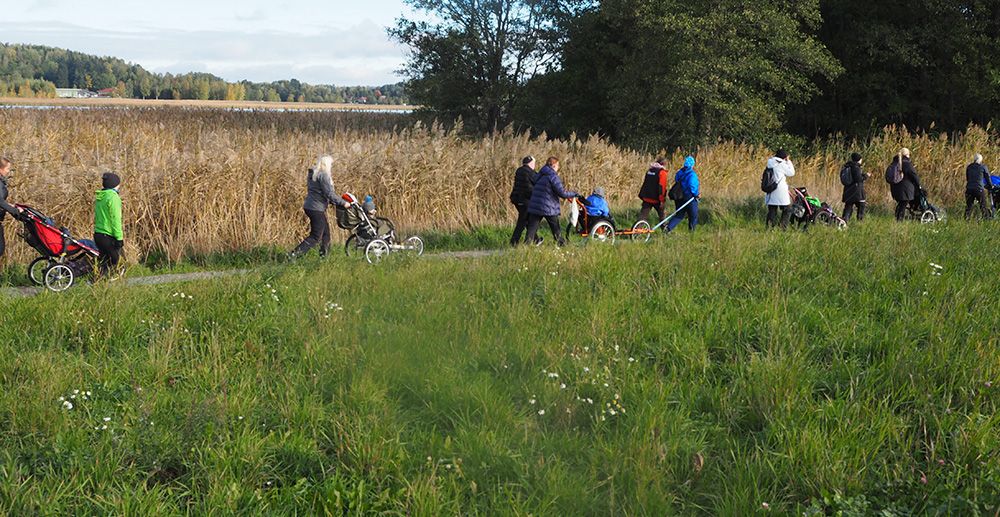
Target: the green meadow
(730, 372)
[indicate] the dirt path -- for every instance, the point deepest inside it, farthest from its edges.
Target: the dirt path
(27, 292)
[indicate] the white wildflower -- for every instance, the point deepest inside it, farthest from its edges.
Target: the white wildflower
(67, 405)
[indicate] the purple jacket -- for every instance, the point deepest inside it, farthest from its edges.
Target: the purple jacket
(547, 193)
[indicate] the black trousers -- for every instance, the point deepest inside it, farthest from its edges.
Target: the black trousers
(901, 209)
(647, 206)
(110, 254)
(319, 233)
(772, 216)
(3, 241)
(521, 226)
(534, 221)
(970, 199)
(849, 210)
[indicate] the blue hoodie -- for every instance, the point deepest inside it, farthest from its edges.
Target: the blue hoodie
(688, 178)
(597, 206)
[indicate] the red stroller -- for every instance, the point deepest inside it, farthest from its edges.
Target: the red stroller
(63, 258)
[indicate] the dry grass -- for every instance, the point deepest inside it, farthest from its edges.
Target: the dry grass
(103, 102)
(209, 180)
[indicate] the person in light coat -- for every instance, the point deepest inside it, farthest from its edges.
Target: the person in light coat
(781, 198)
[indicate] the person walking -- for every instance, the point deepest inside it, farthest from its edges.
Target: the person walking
(108, 234)
(781, 168)
(853, 178)
(544, 202)
(520, 194)
(6, 168)
(690, 189)
(903, 182)
(319, 195)
(977, 180)
(653, 192)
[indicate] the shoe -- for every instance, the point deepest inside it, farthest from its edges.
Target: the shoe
(539, 241)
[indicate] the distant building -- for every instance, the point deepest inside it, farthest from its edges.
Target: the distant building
(107, 92)
(74, 93)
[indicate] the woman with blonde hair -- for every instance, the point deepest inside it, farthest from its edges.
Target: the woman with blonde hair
(319, 195)
(903, 182)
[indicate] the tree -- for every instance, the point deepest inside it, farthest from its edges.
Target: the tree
(665, 73)
(475, 59)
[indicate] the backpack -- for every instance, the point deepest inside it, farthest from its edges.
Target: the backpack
(846, 176)
(676, 192)
(894, 174)
(768, 183)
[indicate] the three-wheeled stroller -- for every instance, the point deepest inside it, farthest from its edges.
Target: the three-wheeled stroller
(372, 235)
(808, 209)
(62, 259)
(920, 209)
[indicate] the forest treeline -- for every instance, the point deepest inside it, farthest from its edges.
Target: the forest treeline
(666, 73)
(36, 71)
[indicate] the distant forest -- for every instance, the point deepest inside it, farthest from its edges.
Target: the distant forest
(36, 71)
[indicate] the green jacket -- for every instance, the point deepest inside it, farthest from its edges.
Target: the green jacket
(108, 214)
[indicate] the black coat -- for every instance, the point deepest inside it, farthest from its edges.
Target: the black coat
(855, 192)
(977, 177)
(5, 207)
(906, 190)
(524, 184)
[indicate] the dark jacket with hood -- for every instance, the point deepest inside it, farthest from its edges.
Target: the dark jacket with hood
(855, 192)
(524, 183)
(977, 177)
(547, 193)
(320, 192)
(7, 207)
(906, 190)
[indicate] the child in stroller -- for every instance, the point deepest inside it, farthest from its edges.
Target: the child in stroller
(808, 209)
(62, 259)
(591, 219)
(920, 209)
(370, 234)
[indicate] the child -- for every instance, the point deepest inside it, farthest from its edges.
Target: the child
(597, 207)
(108, 222)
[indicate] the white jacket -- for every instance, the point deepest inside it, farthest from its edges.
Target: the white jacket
(782, 169)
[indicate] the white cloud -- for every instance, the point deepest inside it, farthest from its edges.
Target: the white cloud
(358, 54)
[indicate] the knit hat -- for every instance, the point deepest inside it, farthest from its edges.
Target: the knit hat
(599, 192)
(110, 180)
(855, 157)
(783, 154)
(527, 159)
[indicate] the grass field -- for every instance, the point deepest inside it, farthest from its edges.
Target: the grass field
(732, 372)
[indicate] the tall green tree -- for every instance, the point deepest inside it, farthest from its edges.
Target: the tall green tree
(915, 62)
(474, 58)
(663, 73)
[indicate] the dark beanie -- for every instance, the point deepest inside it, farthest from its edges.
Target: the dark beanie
(855, 157)
(783, 154)
(527, 160)
(110, 180)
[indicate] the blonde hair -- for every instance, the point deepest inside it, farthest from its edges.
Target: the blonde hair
(324, 165)
(978, 158)
(904, 153)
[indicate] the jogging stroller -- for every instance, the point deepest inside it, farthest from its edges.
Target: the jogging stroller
(920, 209)
(372, 235)
(62, 259)
(808, 209)
(994, 189)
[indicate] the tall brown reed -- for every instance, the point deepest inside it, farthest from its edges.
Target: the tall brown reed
(199, 181)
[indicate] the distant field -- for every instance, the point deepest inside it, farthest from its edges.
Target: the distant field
(204, 104)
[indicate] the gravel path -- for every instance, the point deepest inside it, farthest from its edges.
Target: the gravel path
(27, 292)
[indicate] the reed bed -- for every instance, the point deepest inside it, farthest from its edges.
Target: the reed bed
(203, 181)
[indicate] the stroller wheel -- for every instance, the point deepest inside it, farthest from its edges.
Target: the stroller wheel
(603, 232)
(642, 231)
(353, 246)
(38, 268)
(59, 278)
(928, 217)
(414, 244)
(376, 250)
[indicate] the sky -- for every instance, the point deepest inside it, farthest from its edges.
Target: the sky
(315, 41)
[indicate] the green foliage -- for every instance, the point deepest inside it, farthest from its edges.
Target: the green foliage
(706, 374)
(47, 68)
